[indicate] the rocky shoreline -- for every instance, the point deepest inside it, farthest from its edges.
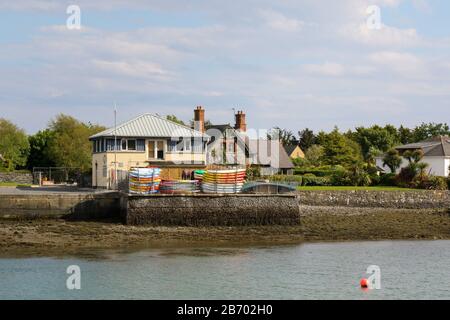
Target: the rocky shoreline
(56, 237)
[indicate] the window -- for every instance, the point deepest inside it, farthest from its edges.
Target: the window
(109, 144)
(187, 144)
(198, 145)
(140, 145)
(156, 150)
(181, 145)
(131, 145)
(172, 146)
(124, 144)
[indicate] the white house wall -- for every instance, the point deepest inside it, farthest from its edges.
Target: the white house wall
(438, 166)
(447, 167)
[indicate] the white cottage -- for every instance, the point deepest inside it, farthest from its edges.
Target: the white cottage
(436, 153)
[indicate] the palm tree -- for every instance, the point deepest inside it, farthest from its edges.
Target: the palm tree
(421, 167)
(392, 160)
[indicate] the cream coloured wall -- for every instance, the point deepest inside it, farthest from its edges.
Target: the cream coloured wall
(103, 164)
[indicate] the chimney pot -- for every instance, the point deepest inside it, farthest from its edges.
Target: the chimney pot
(240, 123)
(199, 119)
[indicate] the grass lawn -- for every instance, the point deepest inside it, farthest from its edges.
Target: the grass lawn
(333, 188)
(13, 184)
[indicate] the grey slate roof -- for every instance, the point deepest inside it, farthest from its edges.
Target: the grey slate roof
(434, 147)
(270, 152)
(149, 126)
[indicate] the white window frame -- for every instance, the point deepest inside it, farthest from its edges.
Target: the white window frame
(155, 149)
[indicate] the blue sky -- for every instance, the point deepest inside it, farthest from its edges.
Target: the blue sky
(287, 63)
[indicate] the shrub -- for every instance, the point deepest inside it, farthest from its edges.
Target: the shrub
(253, 172)
(437, 183)
(356, 176)
(340, 178)
(300, 162)
(388, 179)
(311, 180)
(406, 176)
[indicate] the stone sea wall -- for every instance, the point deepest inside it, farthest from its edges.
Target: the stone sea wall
(420, 199)
(212, 210)
(53, 205)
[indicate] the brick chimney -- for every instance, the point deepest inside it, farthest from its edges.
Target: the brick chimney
(240, 125)
(199, 119)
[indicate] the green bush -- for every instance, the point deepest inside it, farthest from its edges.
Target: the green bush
(437, 183)
(340, 178)
(281, 178)
(323, 171)
(311, 180)
(388, 180)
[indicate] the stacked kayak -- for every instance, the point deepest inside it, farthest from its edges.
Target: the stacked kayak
(179, 186)
(198, 174)
(223, 181)
(144, 180)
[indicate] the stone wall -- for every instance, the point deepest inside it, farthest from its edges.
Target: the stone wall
(212, 210)
(16, 177)
(420, 199)
(52, 205)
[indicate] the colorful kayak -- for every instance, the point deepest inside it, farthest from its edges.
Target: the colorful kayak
(179, 186)
(223, 181)
(144, 180)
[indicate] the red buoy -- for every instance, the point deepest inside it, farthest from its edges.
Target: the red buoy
(364, 283)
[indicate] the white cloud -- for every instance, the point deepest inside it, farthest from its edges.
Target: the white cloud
(386, 36)
(404, 64)
(133, 69)
(336, 69)
(326, 69)
(319, 67)
(280, 22)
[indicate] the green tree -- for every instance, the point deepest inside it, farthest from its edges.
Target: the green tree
(14, 146)
(375, 137)
(405, 135)
(428, 130)
(314, 154)
(174, 118)
(307, 138)
(39, 149)
(392, 160)
(70, 146)
(339, 149)
(285, 136)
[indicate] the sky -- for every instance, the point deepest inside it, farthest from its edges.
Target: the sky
(286, 63)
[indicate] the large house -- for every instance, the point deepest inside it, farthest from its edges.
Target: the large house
(150, 140)
(147, 140)
(232, 145)
(436, 152)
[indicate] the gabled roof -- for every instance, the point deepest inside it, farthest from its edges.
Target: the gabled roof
(269, 152)
(150, 126)
(226, 130)
(290, 148)
(434, 147)
(221, 127)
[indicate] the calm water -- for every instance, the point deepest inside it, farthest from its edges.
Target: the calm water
(310, 271)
